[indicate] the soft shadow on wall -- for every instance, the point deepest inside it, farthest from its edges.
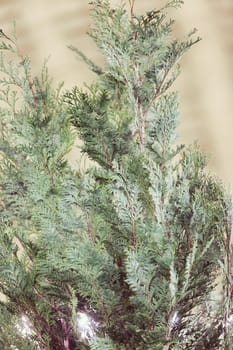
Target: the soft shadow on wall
(205, 86)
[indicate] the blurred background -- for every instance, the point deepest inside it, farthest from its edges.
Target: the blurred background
(46, 27)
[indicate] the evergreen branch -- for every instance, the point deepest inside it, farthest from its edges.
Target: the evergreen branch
(4, 36)
(90, 232)
(131, 4)
(135, 241)
(142, 122)
(100, 302)
(41, 322)
(94, 68)
(228, 248)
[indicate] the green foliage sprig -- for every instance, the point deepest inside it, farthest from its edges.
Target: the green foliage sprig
(138, 240)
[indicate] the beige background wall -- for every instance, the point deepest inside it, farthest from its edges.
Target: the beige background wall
(45, 27)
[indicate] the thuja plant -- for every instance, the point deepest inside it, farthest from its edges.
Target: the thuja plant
(134, 251)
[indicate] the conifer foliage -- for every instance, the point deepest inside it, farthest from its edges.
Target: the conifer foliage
(127, 253)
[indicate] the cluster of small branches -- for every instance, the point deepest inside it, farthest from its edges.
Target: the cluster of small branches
(137, 240)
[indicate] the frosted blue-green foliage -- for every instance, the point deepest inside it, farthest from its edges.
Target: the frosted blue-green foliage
(137, 240)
